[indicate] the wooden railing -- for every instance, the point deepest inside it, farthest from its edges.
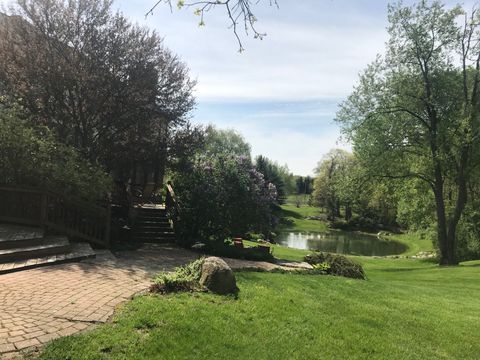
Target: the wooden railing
(171, 205)
(69, 216)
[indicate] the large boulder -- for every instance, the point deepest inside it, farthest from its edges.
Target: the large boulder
(217, 276)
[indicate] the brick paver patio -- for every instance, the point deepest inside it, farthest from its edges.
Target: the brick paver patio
(42, 304)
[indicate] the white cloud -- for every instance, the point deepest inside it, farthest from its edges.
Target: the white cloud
(308, 53)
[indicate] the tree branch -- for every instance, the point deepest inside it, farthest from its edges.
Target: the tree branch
(237, 11)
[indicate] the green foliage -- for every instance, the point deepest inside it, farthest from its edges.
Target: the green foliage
(225, 142)
(469, 234)
(343, 182)
(357, 223)
(416, 206)
(278, 175)
(414, 113)
(32, 157)
(304, 185)
(223, 197)
(184, 278)
(324, 266)
(331, 172)
(226, 249)
(334, 264)
(107, 87)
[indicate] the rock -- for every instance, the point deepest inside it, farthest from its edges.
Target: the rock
(217, 276)
(198, 246)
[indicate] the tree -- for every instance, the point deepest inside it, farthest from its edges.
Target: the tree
(227, 142)
(415, 112)
(31, 156)
(102, 85)
(274, 174)
(304, 185)
(331, 172)
(239, 13)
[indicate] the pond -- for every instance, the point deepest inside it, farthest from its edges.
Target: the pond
(342, 242)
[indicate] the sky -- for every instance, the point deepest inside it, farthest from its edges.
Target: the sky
(282, 92)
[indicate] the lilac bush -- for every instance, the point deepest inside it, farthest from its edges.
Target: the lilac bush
(222, 197)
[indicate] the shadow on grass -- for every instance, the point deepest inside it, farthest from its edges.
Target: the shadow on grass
(403, 269)
(290, 213)
(470, 265)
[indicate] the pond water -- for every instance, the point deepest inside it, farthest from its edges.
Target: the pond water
(342, 243)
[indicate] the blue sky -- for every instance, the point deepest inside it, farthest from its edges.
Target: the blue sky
(282, 93)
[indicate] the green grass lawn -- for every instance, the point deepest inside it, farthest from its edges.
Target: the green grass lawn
(298, 217)
(407, 309)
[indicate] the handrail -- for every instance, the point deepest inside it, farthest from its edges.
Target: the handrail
(173, 207)
(171, 202)
(68, 215)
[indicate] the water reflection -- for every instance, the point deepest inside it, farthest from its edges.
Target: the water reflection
(342, 243)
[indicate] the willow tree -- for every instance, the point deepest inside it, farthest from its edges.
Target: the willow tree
(415, 112)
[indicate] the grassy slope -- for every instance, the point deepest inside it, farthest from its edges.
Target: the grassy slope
(407, 309)
(300, 224)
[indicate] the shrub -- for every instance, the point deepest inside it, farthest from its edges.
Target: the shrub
(259, 253)
(32, 157)
(357, 223)
(223, 197)
(468, 234)
(334, 264)
(184, 278)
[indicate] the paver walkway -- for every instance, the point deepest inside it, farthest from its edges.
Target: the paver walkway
(41, 304)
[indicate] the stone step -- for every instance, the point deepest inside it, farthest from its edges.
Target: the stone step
(79, 251)
(151, 218)
(155, 239)
(21, 242)
(47, 246)
(151, 221)
(152, 212)
(152, 233)
(12, 236)
(166, 227)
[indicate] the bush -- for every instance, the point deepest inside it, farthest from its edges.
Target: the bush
(184, 278)
(357, 223)
(32, 157)
(334, 264)
(223, 197)
(468, 234)
(259, 253)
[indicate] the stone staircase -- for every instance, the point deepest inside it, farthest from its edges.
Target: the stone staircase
(23, 247)
(152, 226)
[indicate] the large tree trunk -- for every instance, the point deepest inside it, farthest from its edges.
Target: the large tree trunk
(451, 258)
(446, 230)
(442, 234)
(348, 212)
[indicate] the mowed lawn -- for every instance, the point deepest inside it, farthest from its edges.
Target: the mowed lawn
(407, 309)
(298, 218)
